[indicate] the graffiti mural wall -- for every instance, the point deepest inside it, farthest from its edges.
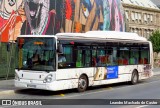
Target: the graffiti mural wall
(48, 17)
(10, 19)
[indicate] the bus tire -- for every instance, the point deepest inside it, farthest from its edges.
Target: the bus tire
(134, 78)
(82, 83)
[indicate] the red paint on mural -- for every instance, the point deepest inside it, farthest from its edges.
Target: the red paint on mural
(68, 9)
(8, 29)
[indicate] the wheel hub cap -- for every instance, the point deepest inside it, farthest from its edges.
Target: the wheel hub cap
(82, 83)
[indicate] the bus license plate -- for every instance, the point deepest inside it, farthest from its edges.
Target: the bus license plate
(31, 86)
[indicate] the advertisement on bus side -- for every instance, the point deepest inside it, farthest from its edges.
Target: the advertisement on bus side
(109, 72)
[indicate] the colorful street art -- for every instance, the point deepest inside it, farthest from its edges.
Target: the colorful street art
(48, 17)
(10, 19)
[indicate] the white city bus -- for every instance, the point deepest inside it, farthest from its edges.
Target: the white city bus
(87, 59)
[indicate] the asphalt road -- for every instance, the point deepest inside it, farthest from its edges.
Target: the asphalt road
(148, 89)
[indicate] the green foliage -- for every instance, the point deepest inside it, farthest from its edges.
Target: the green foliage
(155, 39)
(7, 61)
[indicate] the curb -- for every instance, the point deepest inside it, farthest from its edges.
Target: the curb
(7, 92)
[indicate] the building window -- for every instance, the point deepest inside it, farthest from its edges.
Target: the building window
(148, 18)
(145, 18)
(137, 3)
(139, 17)
(148, 34)
(136, 16)
(127, 15)
(145, 33)
(130, 29)
(151, 18)
(133, 30)
(131, 1)
(133, 16)
(142, 4)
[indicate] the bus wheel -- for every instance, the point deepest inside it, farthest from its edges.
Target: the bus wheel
(134, 79)
(82, 83)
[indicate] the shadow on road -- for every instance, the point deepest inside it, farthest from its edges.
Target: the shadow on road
(38, 92)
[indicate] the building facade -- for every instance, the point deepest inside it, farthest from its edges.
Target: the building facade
(142, 16)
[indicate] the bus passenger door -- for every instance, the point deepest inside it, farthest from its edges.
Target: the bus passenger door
(83, 58)
(99, 69)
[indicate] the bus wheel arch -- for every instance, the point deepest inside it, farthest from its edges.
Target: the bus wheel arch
(134, 77)
(83, 83)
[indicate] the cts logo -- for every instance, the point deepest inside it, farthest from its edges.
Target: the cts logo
(6, 102)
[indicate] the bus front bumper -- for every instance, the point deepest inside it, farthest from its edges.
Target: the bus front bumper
(53, 86)
(36, 84)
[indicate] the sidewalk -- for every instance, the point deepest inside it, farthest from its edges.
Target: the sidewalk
(156, 71)
(7, 86)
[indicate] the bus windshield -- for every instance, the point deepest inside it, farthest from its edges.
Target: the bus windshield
(36, 53)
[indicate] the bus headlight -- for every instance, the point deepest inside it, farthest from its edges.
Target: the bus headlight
(16, 77)
(48, 79)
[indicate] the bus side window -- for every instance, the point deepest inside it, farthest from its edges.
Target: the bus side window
(87, 58)
(94, 58)
(61, 58)
(66, 59)
(100, 57)
(79, 58)
(61, 61)
(83, 58)
(124, 56)
(132, 60)
(94, 61)
(144, 55)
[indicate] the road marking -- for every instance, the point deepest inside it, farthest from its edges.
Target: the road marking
(109, 88)
(142, 106)
(7, 92)
(62, 95)
(104, 90)
(82, 94)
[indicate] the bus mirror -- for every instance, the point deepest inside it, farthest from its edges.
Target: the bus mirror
(8, 47)
(60, 48)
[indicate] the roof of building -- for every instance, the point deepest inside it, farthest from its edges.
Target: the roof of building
(157, 2)
(143, 3)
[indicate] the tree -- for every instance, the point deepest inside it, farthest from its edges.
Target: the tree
(155, 39)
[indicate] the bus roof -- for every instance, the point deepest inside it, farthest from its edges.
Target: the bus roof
(96, 35)
(110, 35)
